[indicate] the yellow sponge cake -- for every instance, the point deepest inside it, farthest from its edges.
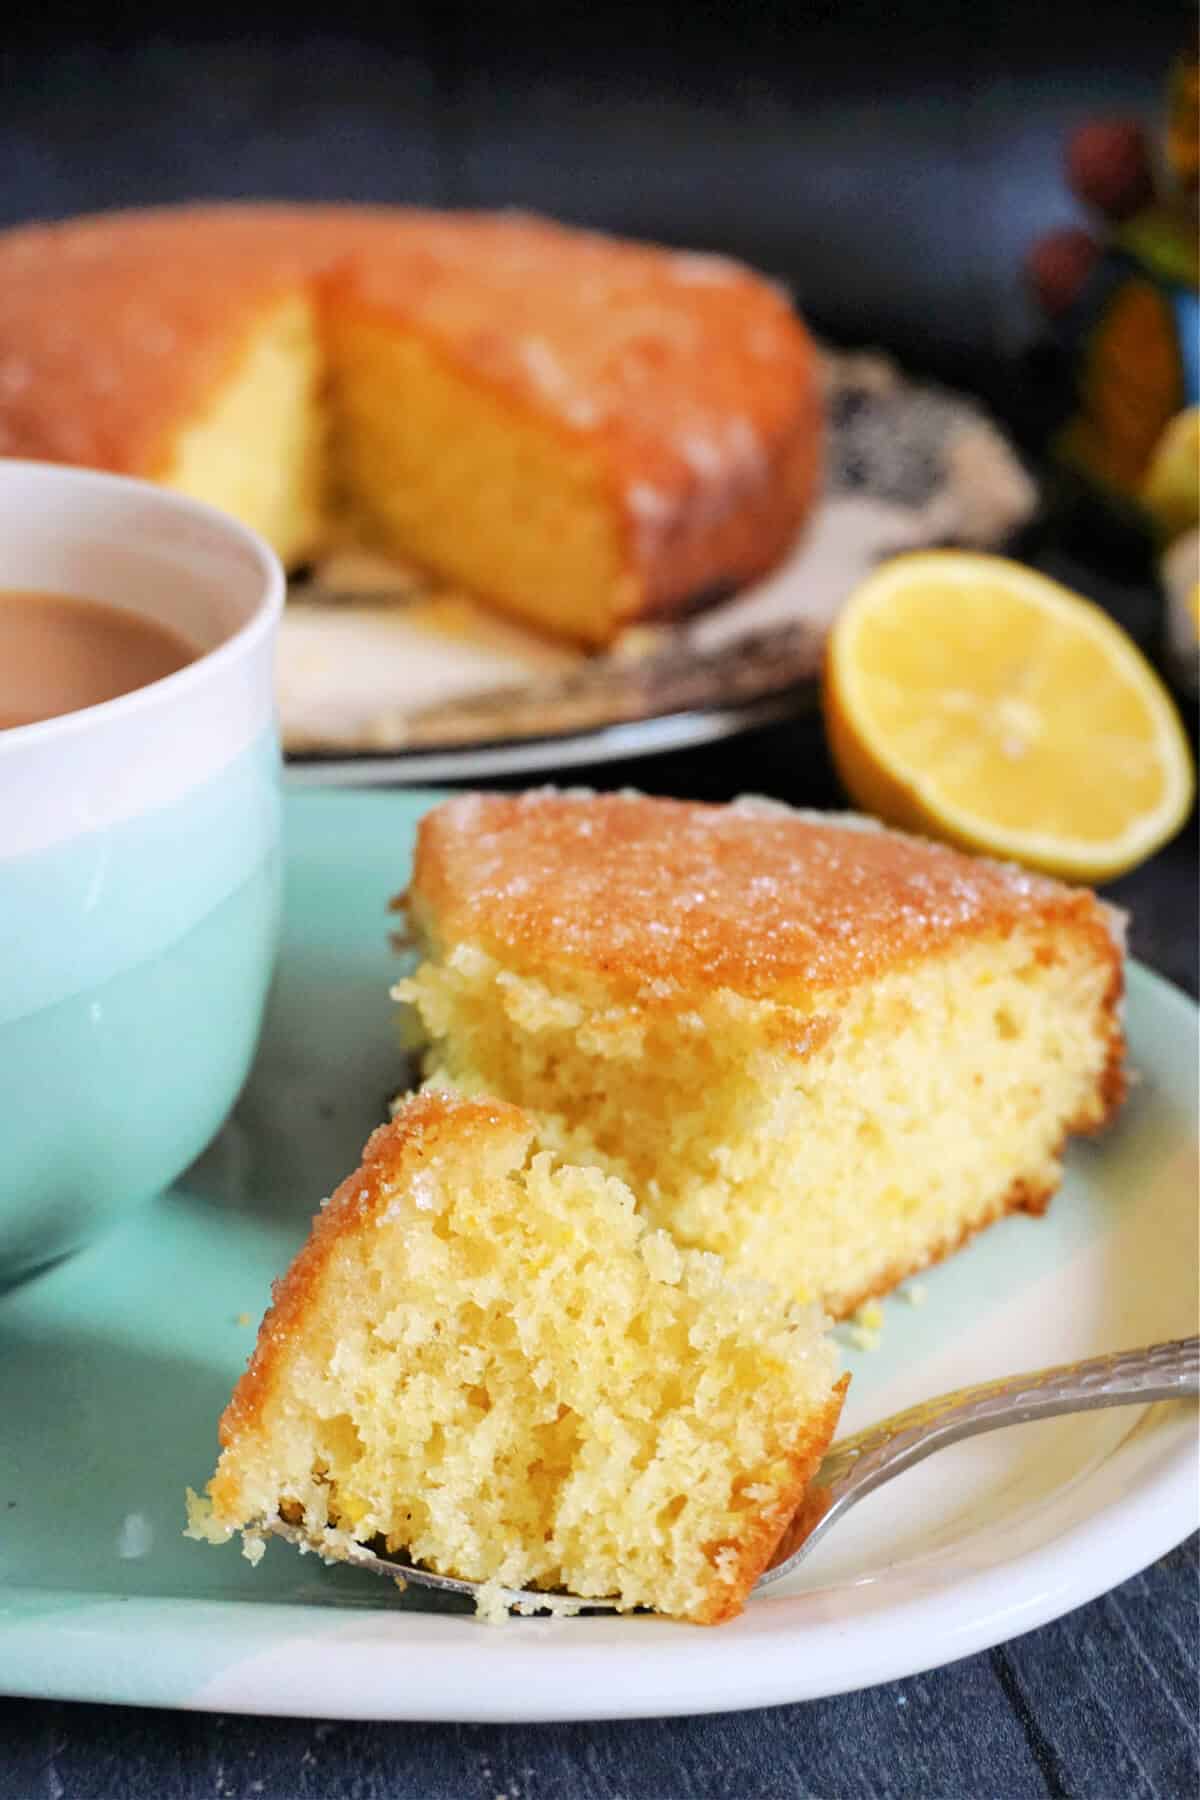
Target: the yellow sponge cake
(493, 1364)
(826, 1051)
(583, 430)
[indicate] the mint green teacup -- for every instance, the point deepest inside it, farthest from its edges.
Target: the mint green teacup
(139, 863)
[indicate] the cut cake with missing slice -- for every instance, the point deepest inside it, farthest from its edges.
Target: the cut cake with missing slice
(584, 431)
(826, 1051)
(493, 1364)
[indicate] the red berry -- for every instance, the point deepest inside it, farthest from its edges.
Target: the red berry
(1058, 265)
(1109, 167)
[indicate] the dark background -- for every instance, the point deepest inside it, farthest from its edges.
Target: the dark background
(891, 163)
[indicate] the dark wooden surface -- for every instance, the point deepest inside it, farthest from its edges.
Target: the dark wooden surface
(891, 162)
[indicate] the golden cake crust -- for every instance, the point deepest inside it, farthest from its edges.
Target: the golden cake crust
(690, 377)
(115, 329)
(663, 897)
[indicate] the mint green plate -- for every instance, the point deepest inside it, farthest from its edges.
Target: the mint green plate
(114, 1368)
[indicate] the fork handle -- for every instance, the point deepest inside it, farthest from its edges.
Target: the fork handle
(858, 1465)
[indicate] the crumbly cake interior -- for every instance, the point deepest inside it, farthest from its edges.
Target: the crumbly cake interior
(828, 1054)
(500, 479)
(322, 432)
(260, 449)
(492, 1362)
(831, 1153)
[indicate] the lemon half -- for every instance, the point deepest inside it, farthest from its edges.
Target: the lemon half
(971, 699)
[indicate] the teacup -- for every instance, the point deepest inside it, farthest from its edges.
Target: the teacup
(139, 862)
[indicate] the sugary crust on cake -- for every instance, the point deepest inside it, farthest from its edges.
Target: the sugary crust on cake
(658, 898)
(691, 378)
(116, 329)
(429, 1124)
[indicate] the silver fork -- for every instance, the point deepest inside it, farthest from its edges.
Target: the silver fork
(860, 1464)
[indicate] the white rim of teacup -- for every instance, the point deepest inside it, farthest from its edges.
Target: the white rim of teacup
(262, 620)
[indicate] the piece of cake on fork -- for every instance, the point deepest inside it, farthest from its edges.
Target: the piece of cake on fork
(827, 1051)
(494, 1365)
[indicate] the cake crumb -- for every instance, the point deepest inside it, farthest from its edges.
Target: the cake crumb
(201, 1524)
(916, 1293)
(491, 1604)
(254, 1547)
(865, 1328)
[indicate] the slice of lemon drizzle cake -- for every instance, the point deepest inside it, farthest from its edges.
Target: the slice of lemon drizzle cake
(491, 1362)
(827, 1051)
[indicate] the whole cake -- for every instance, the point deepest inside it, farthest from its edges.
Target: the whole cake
(827, 1051)
(493, 1364)
(582, 430)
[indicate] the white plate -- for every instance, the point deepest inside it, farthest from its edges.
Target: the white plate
(114, 1366)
